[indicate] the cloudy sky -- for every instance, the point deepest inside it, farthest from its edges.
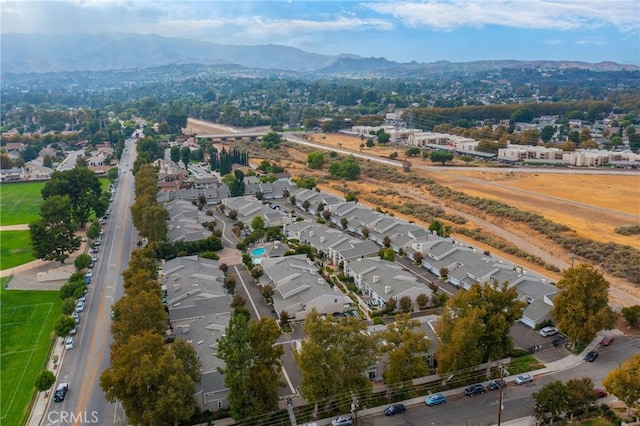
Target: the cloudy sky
(424, 31)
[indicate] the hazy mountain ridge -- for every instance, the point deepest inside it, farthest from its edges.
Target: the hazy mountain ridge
(40, 53)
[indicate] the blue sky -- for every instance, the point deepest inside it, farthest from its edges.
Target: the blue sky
(424, 31)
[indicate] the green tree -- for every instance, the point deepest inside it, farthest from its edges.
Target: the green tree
(315, 160)
(53, 235)
(257, 223)
(581, 307)
(82, 187)
(63, 325)
(185, 155)
(93, 231)
(333, 358)
(346, 169)
(83, 261)
(47, 161)
(412, 152)
(68, 306)
(271, 140)
(580, 395)
(151, 380)
(174, 153)
(632, 315)
(551, 400)
(370, 143)
(624, 382)
(547, 133)
(383, 137)
(112, 174)
(139, 313)
(177, 120)
(44, 380)
(482, 317)
(441, 157)
(406, 346)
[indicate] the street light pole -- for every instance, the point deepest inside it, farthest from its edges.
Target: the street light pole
(500, 397)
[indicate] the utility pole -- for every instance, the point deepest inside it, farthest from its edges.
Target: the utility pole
(501, 386)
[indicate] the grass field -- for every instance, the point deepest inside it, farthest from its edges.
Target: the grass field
(15, 249)
(26, 330)
(20, 202)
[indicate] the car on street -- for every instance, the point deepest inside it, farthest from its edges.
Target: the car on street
(68, 344)
(474, 390)
(435, 399)
(548, 331)
(61, 392)
(80, 306)
(73, 331)
(342, 421)
(76, 317)
(94, 258)
(523, 378)
(89, 273)
(591, 356)
(600, 393)
(394, 409)
(606, 341)
(495, 384)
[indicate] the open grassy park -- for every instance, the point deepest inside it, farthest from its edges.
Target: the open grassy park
(20, 202)
(15, 249)
(26, 330)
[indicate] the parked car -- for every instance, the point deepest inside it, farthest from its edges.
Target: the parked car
(80, 306)
(523, 378)
(342, 421)
(394, 409)
(94, 258)
(76, 316)
(474, 390)
(495, 384)
(68, 344)
(591, 356)
(73, 331)
(600, 393)
(89, 273)
(606, 341)
(61, 392)
(548, 331)
(435, 399)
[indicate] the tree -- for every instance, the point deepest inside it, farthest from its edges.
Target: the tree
(154, 382)
(370, 143)
(141, 312)
(174, 152)
(551, 399)
(47, 161)
(580, 395)
(53, 235)
(315, 160)
(383, 137)
(257, 223)
(632, 315)
(581, 307)
(333, 358)
(405, 345)
(346, 169)
(185, 155)
(271, 140)
(624, 382)
(475, 324)
(547, 133)
(82, 187)
(412, 152)
(267, 292)
(63, 325)
(44, 380)
(94, 231)
(83, 261)
(441, 156)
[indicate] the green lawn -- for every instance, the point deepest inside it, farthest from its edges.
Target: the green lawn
(15, 249)
(26, 332)
(20, 202)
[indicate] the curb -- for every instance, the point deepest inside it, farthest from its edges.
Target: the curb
(41, 405)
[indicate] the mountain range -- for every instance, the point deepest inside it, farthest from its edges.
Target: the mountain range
(40, 53)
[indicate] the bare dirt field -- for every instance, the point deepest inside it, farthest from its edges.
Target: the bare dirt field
(592, 205)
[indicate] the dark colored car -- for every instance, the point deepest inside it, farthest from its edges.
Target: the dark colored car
(591, 356)
(435, 399)
(394, 409)
(495, 384)
(474, 390)
(61, 392)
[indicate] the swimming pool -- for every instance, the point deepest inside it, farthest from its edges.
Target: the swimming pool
(257, 252)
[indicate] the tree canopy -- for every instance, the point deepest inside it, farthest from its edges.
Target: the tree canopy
(53, 235)
(581, 307)
(624, 382)
(346, 169)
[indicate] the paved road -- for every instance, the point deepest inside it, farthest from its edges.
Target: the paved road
(482, 410)
(70, 161)
(83, 365)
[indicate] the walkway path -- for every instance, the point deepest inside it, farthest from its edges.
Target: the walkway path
(22, 227)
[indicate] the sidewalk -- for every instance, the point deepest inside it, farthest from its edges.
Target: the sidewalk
(41, 404)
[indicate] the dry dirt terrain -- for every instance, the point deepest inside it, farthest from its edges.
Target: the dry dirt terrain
(592, 205)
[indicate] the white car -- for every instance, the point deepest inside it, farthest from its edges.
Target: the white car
(548, 331)
(68, 344)
(80, 306)
(523, 378)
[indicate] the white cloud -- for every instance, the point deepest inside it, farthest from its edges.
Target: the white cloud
(530, 14)
(292, 26)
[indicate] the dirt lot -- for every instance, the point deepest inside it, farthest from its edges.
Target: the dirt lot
(592, 205)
